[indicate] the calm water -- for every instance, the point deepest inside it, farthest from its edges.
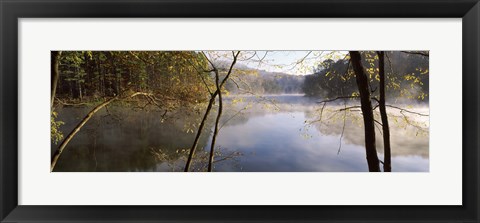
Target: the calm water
(259, 134)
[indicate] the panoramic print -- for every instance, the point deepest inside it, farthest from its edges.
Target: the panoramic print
(239, 111)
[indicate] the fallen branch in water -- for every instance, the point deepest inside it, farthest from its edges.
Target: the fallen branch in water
(71, 104)
(79, 126)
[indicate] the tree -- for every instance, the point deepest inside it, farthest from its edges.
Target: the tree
(170, 80)
(55, 133)
(330, 79)
(408, 81)
(112, 72)
(366, 106)
(387, 163)
(213, 97)
(90, 114)
(55, 57)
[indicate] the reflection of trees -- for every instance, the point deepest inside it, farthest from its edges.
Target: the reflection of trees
(241, 108)
(175, 161)
(409, 132)
(122, 138)
(366, 74)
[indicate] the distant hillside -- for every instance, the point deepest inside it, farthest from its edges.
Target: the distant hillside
(264, 82)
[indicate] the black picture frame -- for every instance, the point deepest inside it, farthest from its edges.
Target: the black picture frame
(11, 11)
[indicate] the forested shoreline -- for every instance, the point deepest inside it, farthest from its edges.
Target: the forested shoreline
(92, 75)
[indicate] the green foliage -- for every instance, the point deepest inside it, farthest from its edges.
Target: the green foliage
(406, 77)
(55, 134)
(177, 75)
(331, 79)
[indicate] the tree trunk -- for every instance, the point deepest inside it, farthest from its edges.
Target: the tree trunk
(210, 104)
(117, 81)
(72, 95)
(88, 84)
(199, 132)
(215, 132)
(387, 166)
(80, 90)
(366, 106)
(101, 76)
(55, 59)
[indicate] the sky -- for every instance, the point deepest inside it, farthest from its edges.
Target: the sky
(290, 62)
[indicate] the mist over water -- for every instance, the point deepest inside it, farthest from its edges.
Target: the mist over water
(269, 133)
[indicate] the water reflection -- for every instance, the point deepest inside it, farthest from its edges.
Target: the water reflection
(266, 134)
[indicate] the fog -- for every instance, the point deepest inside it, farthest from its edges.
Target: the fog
(270, 133)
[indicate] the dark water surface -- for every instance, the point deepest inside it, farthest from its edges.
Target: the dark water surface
(259, 134)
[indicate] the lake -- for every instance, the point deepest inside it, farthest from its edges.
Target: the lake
(276, 133)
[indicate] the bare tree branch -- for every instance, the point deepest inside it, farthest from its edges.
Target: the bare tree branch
(378, 122)
(260, 60)
(337, 98)
(350, 108)
(79, 126)
(246, 59)
(231, 117)
(70, 104)
(138, 57)
(209, 107)
(199, 73)
(405, 110)
(421, 53)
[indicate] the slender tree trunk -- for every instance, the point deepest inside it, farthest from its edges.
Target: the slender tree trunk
(55, 59)
(80, 90)
(99, 69)
(215, 133)
(199, 132)
(88, 84)
(387, 163)
(210, 104)
(366, 106)
(72, 95)
(117, 81)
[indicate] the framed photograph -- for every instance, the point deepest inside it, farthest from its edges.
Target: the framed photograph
(228, 111)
